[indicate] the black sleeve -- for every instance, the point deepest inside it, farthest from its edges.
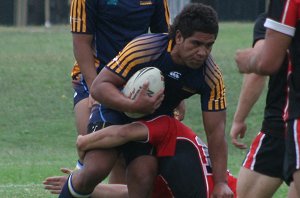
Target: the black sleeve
(259, 28)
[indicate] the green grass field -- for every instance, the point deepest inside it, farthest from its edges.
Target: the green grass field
(37, 130)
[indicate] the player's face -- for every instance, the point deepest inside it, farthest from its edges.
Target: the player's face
(194, 50)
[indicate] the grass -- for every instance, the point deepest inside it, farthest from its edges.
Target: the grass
(37, 122)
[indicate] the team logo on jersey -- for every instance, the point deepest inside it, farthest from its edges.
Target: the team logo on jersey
(112, 2)
(175, 75)
(143, 3)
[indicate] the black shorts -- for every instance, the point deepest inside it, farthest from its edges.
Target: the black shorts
(132, 150)
(266, 155)
(186, 175)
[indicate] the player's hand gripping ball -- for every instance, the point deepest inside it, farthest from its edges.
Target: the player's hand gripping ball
(135, 83)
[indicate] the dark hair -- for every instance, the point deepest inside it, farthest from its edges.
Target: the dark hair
(195, 17)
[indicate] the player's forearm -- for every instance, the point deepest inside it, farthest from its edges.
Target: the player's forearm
(106, 90)
(108, 95)
(105, 138)
(217, 147)
(84, 55)
(252, 88)
(267, 58)
(214, 123)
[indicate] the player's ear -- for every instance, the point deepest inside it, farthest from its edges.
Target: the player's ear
(178, 37)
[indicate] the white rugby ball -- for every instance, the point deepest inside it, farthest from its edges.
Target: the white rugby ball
(135, 83)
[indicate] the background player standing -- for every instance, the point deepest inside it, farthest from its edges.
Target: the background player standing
(282, 34)
(262, 170)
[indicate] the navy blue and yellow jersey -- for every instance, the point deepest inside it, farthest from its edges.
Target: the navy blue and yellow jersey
(180, 81)
(114, 23)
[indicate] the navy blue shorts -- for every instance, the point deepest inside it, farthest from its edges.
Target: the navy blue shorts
(102, 117)
(81, 90)
(130, 150)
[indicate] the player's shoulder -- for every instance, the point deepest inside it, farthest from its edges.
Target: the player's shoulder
(141, 50)
(146, 44)
(150, 38)
(211, 66)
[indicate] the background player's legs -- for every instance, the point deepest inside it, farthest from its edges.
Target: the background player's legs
(141, 174)
(291, 157)
(253, 184)
(292, 191)
(82, 114)
(296, 177)
(81, 110)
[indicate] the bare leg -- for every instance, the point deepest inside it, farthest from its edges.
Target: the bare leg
(97, 165)
(82, 114)
(296, 177)
(118, 173)
(292, 191)
(110, 191)
(141, 175)
(253, 184)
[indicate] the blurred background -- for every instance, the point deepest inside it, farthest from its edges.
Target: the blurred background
(48, 12)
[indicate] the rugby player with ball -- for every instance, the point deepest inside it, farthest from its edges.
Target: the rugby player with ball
(184, 58)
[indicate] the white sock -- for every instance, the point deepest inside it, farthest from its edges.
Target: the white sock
(73, 192)
(79, 165)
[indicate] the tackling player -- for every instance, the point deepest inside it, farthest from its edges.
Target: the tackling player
(184, 165)
(183, 158)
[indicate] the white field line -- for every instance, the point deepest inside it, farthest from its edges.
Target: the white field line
(20, 185)
(29, 163)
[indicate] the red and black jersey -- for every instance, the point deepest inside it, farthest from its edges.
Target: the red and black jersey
(184, 163)
(273, 122)
(284, 17)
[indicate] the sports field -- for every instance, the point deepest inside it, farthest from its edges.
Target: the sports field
(37, 130)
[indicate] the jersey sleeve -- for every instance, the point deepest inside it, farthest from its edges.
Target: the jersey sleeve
(162, 135)
(283, 16)
(213, 97)
(82, 16)
(137, 54)
(259, 30)
(160, 20)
